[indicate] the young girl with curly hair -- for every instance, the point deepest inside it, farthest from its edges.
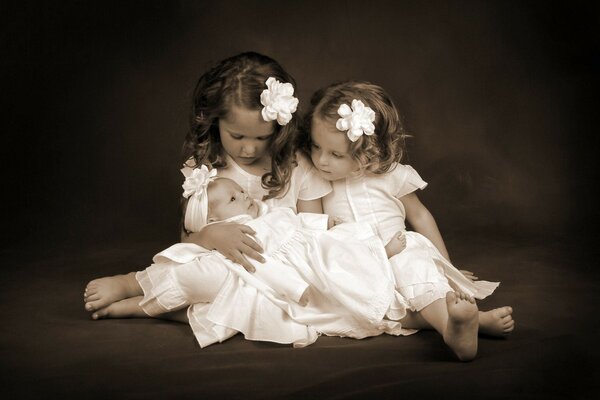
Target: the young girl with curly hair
(356, 141)
(242, 123)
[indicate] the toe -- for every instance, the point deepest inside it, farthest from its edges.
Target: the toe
(94, 297)
(504, 311)
(100, 313)
(451, 297)
(509, 324)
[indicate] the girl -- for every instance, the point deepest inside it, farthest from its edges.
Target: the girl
(356, 142)
(243, 123)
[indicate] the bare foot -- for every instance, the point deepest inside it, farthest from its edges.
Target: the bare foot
(497, 322)
(461, 331)
(396, 244)
(102, 292)
(127, 308)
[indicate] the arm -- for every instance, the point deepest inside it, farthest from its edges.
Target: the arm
(310, 206)
(232, 240)
(423, 222)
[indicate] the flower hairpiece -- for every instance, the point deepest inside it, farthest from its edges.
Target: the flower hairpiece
(278, 101)
(197, 182)
(357, 120)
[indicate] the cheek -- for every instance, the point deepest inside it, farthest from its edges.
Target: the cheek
(261, 147)
(229, 145)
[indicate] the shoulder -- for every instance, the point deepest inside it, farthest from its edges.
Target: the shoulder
(405, 179)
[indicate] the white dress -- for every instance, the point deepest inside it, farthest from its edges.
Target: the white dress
(343, 273)
(422, 274)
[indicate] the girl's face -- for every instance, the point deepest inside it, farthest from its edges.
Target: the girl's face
(245, 136)
(330, 151)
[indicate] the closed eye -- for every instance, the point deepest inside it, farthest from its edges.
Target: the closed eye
(337, 155)
(316, 146)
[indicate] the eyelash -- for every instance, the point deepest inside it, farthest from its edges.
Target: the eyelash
(262, 139)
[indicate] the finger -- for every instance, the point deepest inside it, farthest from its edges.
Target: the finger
(247, 230)
(243, 261)
(465, 272)
(250, 252)
(248, 241)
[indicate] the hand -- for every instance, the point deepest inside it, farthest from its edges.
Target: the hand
(469, 275)
(234, 241)
(333, 221)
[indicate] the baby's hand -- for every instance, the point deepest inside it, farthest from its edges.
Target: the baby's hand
(469, 275)
(333, 221)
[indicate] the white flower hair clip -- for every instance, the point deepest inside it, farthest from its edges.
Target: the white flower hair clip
(357, 120)
(278, 101)
(195, 190)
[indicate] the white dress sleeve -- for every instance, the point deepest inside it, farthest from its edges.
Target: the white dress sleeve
(317, 222)
(406, 180)
(311, 185)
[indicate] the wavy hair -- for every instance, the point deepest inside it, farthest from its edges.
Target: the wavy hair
(239, 81)
(377, 153)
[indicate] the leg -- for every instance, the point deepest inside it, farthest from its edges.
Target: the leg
(456, 319)
(396, 244)
(497, 322)
(102, 292)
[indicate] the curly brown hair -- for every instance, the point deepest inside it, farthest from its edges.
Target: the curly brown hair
(239, 80)
(376, 153)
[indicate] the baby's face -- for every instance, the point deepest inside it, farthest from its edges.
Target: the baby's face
(330, 151)
(227, 199)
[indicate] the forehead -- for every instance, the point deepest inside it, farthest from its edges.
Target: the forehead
(246, 122)
(324, 133)
(220, 188)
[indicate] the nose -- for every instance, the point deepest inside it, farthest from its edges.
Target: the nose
(323, 159)
(248, 149)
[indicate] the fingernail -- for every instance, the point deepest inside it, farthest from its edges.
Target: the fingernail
(262, 260)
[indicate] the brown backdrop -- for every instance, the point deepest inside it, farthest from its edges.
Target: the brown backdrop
(497, 95)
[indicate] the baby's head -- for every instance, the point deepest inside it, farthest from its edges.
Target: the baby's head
(212, 199)
(353, 127)
(243, 107)
(227, 199)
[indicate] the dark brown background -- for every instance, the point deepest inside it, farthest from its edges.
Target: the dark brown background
(499, 97)
(501, 100)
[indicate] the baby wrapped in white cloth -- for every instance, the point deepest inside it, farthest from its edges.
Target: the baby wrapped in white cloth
(336, 282)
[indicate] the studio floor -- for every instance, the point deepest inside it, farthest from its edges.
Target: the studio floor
(50, 347)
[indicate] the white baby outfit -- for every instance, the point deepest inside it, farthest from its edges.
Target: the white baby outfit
(344, 272)
(421, 273)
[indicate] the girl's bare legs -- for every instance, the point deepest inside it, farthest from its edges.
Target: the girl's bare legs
(455, 318)
(130, 308)
(102, 292)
